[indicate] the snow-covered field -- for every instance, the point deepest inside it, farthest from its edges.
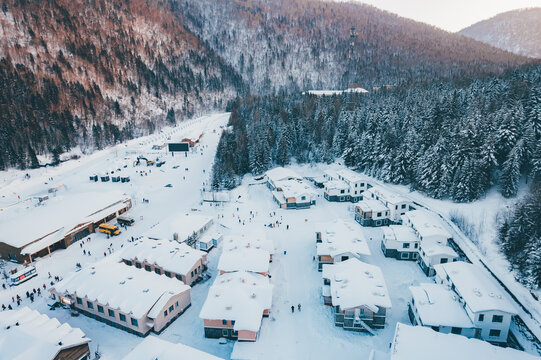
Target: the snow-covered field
(308, 334)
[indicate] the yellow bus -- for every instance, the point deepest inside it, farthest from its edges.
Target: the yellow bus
(109, 229)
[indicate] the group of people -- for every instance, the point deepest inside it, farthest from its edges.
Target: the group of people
(293, 308)
(30, 294)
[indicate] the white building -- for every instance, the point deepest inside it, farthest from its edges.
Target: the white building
(398, 205)
(436, 306)
(244, 259)
(125, 297)
(167, 257)
(257, 240)
(434, 253)
(358, 294)
(485, 303)
(294, 194)
(427, 225)
(27, 334)
(421, 343)
(371, 212)
(152, 347)
(236, 304)
(400, 242)
(344, 185)
(339, 241)
(278, 174)
(209, 240)
(182, 227)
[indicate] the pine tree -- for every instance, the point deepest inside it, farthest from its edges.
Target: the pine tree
(510, 176)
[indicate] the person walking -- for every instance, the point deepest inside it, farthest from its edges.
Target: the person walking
(292, 309)
(299, 307)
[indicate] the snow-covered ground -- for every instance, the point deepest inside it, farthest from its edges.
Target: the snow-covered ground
(308, 334)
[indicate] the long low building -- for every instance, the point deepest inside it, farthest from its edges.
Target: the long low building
(181, 227)
(125, 297)
(37, 227)
(256, 240)
(152, 347)
(235, 306)
(244, 259)
(166, 257)
(27, 334)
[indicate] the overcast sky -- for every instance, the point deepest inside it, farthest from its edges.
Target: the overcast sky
(451, 15)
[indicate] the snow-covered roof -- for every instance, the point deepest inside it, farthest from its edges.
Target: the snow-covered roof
(241, 296)
(27, 222)
(400, 233)
(439, 306)
(432, 248)
(341, 236)
(133, 291)
(182, 224)
(336, 92)
(295, 188)
(245, 259)
(422, 343)
(256, 240)
(280, 173)
(36, 336)
(336, 184)
(168, 254)
(478, 290)
(371, 205)
(350, 175)
(330, 174)
(154, 348)
(355, 283)
(387, 195)
(427, 224)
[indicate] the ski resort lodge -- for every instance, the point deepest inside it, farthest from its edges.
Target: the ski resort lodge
(152, 347)
(166, 257)
(397, 205)
(235, 306)
(278, 174)
(371, 212)
(358, 294)
(181, 227)
(294, 194)
(421, 343)
(344, 185)
(27, 334)
(244, 259)
(56, 222)
(255, 240)
(125, 297)
(486, 306)
(400, 242)
(340, 241)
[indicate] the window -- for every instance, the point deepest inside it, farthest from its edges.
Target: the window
(195, 271)
(379, 214)
(497, 318)
(456, 330)
(128, 262)
(147, 268)
(111, 313)
(122, 317)
(494, 333)
(100, 309)
(224, 322)
(406, 245)
(165, 313)
(232, 322)
(443, 260)
(416, 245)
(435, 328)
(176, 304)
(138, 265)
(362, 184)
(481, 317)
(178, 277)
(342, 191)
(157, 271)
(192, 273)
(403, 206)
(167, 273)
(303, 197)
(344, 258)
(79, 301)
(171, 308)
(396, 207)
(134, 322)
(90, 305)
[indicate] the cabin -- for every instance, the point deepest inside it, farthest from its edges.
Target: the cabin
(484, 301)
(166, 257)
(34, 229)
(400, 242)
(153, 347)
(357, 293)
(209, 240)
(427, 225)
(127, 298)
(28, 334)
(371, 212)
(344, 185)
(339, 241)
(244, 259)
(256, 240)
(235, 306)
(439, 308)
(182, 227)
(278, 174)
(433, 253)
(398, 205)
(294, 194)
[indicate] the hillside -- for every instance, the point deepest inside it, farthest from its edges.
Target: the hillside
(302, 44)
(517, 31)
(91, 73)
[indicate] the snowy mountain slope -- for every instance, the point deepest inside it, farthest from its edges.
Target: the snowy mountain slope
(517, 31)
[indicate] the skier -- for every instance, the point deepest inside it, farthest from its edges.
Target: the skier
(292, 309)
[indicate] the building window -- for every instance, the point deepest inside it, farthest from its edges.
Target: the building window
(443, 260)
(176, 304)
(494, 333)
(138, 265)
(122, 317)
(165, 313)
(100, 309)
(128, 262)
(435, 328)
(416, 245)
(147, 268)
(303, 197)
(403, 206)
(111, 313)
(456, 330)
(406, 245)
(224, 322)
(90, 305)
(171, 308)
(79, 301)
(232, 322)
(134, 322)
(379, 214)
(178, 277)
(167, 273)
(497, 318)
(481, 316)
(157, 271)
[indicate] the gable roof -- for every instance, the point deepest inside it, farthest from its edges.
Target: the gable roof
(244, 259)
(152, 347)
(281, 173)
(341, 236)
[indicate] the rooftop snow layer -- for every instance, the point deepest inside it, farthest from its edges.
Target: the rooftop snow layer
(184, 225)
(388, 195)
(355, 283)
(439, 306)
(167, 254)
(244, 259)
(371, 205)
(422, 343)
(399, 233)
(152, 347)
(280, 173)
(295, 188)
(36, 336)
(427, 224)
(256, 240)
(336, 184)
(125, 288)
(341, 236)
(432, 248)
(336, 92)
(241, 296)
(478, 290)
(350, 175)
